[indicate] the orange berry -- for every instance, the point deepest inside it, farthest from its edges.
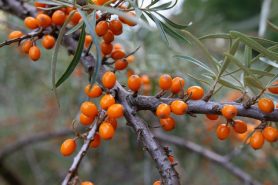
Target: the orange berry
(212, 116)
(100, 2)
(39, 5)
(257, 140)
(240, 126)
(68, 147)
(75, 18)
(126, 21)
(157, 183)
(222, 131)
(179, 107)
(108, 79)
(87, 183)
(118, 46)
(130, 72)
(229, 111)
(96, 141)
(106, 48)
(134, 83)
(106, 131)
(266, 105)
(168, 123)
(177, 85)
(270, 134)
(171, 159)
(85, 120)
(89, 109)
(165, 82)
(88, 41)
(43, 20)
(145, 79)
(34, 53)
(108, 37)
(115, 111)
(106, 101)
(274, 89)
(31, 23)
(102, 28)
(26, 46)
(94, 91)
(130, 59)
(48, 42)
(196, 92)
(69, 9)
(163, 110)
(58, 17)
(116, 27)
(15, 35)
(121, 64)
(113, 122)
(118, 54)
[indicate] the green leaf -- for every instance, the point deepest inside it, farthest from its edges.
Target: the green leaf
(196, 62)
(75, 28)
(257, 58)
(247, 55)
(165, 6)
(269, 62)
(198, 79)
(227, 83)
(251, 82)
(259, 72)
(56, 51)
(273, 26)
(216, 36)
(173, 33)
(255, 45)
(76, 58)
(175, 25)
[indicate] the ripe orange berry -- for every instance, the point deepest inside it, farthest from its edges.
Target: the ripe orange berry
(26, 46)
(274, 90)
(121, 64)
(196, 92)
(163, 110)
(39, 5)
(157, 183)
(240, 126)
(266, 105)
(75, 18)
(257, 140)
(222, 131)
(34, 53)
(168, 123)
(115, 111)
(171, 159)
(43, 20)
(117, 46)
(106, 101)
(89, 109)
(96, 141)
(108, 79)
(118, 54)
(212, 116)
(113, 122)
(130, 59)
(58, 17)
(177, 85)
(100, 2)
(87, 183)
(145, 80)
(15, 35)
(102, 28)
(126, 21)
(48, 42)
(165, 82)
(179, 107)
(229, 111)
(106, 131)
(31, 23)
(106, 48)
(94, 91)
(68, 147)
(134, 83)
(270, 134)
(85, 120)
(108, 37)
(116, 27)
(88, 41)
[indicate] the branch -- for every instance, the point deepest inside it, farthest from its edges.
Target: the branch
(210, 155)
(82, 152)
(202, 107)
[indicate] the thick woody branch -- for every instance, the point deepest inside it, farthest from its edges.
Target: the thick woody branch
(210, 155)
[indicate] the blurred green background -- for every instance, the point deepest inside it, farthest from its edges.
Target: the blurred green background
(28, 106)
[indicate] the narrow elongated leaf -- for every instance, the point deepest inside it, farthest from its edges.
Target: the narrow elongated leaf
(269, 62)
(198, 79)
(273, 26)
(253, 83)
(75, 28)
(173, 33)
(165, 6)
(227, 83)
(259, 72)
(159, 27)
(255, 45)
(171, 23)
(76, 58)
(196, 62)
(247, 55)
(257, 58)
